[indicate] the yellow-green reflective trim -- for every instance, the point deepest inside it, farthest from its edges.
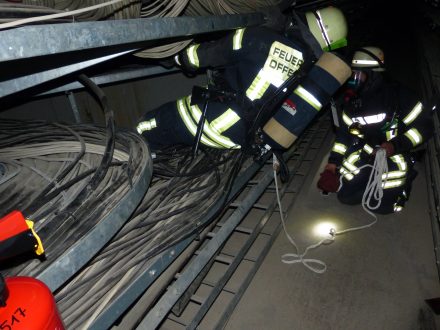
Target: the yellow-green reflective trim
(190, 125)
(339, 148)
(225, 121)
(392, 184)
(354, 157)
(308, 97)
(400, 161)
(238, 39)
(207, 129)
(146, 125)
(346, 174)
(391, 134)
(351, 168)
(368, 149)
(258, 87)
(393, 175)
(417, 110)
(414, 136)
(347, 120)
(192, 55)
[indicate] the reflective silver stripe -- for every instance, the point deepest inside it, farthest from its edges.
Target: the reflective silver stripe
(308, 97)
(146, 125)
(414, 136)
(225, 121)
(190, 125)
(365, 62)
(368, 149)
(373, 119)
(324, 32)
(400, 161)
(393, 175)
(212, 134)
(237, 40)
(417, 110)
(392, 184)
(258, 87)
(347, 120)
(397, 208)
(339, 148)
(192, 55)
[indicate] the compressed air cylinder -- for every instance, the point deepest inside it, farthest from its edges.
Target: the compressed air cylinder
(308, 98)
(27, 304)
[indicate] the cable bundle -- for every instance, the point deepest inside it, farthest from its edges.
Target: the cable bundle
(123, 9)
(171, 211)
(58, 177)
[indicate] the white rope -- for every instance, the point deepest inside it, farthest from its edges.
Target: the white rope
(373, 191)
(371, 200)
(293, 258)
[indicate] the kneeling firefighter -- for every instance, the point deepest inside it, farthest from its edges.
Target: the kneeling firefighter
(375, 113)
(252, 64)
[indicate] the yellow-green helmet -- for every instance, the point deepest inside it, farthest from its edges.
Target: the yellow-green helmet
(368, 58)
(329, 26)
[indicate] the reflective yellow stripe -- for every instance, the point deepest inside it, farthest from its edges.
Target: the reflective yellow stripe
(393, 175)
(347, 120)
(351, 167)
(400, 161)
(417, 110)
(339, 148)
(212, 134)
(258, 87)
(414, 136)
(308, 97)
(346, 174)
(392, 184)
(190, 125)
(368, 149)
(391, 134)
(192, 55)
(146, 125)
(237, 40)
(353, 158)
(225, 121)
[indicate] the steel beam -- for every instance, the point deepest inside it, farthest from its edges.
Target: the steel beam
(114, 77)
(48, 39)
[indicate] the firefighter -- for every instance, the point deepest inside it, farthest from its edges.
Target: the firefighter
(375, 113)
(246, 67)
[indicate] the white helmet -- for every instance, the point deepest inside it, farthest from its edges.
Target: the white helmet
(368, 58)
(329, 26)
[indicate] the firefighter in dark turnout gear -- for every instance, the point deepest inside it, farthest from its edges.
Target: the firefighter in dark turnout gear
(375, 113)
(251, 63)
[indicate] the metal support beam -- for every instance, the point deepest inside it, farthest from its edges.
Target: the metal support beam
(48, 39)
(19, 84)
(114, 77)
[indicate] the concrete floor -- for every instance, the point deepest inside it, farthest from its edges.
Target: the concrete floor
(377, 278)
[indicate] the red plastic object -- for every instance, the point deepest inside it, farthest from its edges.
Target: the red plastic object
(12, 224)
(30, 305)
